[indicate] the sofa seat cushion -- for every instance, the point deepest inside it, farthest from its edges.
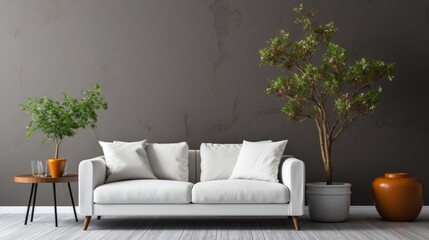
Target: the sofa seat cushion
(143, 191)
(239, 191)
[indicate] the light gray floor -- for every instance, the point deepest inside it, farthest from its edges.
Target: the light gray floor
(364, 223)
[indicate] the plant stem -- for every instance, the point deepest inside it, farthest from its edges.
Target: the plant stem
(327, 162)
(325, 148)
(57, 147)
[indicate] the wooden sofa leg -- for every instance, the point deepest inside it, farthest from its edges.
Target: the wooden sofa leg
(86, 222)
(98, 217)
(295, 222)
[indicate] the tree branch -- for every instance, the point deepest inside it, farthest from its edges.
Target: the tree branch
(334, 126)
(319, 129)
(299, 69)
(344, 125)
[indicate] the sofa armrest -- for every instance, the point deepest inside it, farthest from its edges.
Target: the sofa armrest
(293, 176)
(92, 173)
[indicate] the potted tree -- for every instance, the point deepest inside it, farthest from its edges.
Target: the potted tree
(319, 82)
(58, 120)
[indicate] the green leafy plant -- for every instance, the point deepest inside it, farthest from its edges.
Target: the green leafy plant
(319, 81)
(58, 120)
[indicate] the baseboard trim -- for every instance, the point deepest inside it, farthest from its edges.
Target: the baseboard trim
(69, 209)
(37, 209)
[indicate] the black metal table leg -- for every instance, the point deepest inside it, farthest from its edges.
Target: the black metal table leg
(34, 202)
(71, 197)
(55, 206)
(29, 203)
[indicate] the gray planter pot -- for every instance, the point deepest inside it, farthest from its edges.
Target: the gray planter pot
(328, 203)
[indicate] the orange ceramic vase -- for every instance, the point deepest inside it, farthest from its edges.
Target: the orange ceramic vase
(398, 197)
(57, 166)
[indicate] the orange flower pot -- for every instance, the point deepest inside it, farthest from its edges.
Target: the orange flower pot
(398, 197)
(57, 166)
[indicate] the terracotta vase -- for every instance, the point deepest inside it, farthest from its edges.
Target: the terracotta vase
(398, 197)
(57, 166)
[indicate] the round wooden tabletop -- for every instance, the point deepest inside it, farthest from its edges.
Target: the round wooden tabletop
(28, 178)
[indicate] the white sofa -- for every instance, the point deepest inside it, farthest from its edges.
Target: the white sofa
(194, 198)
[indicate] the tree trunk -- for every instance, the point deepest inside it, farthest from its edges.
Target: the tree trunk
(57, 147)
(325, 148)
(328, 167)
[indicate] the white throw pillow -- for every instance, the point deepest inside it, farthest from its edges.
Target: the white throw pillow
(126, 161)
(169, 160)
(218, 160)
(259, 161)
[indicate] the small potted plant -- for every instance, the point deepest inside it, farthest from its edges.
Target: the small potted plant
(319, 82)
(58, 120)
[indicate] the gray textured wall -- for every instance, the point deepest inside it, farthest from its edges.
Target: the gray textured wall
(189, 71)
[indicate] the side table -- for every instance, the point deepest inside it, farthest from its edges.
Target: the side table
(28, 178)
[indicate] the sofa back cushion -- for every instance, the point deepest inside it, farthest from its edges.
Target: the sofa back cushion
(218, 160)
(194, 165)
(169, 160)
